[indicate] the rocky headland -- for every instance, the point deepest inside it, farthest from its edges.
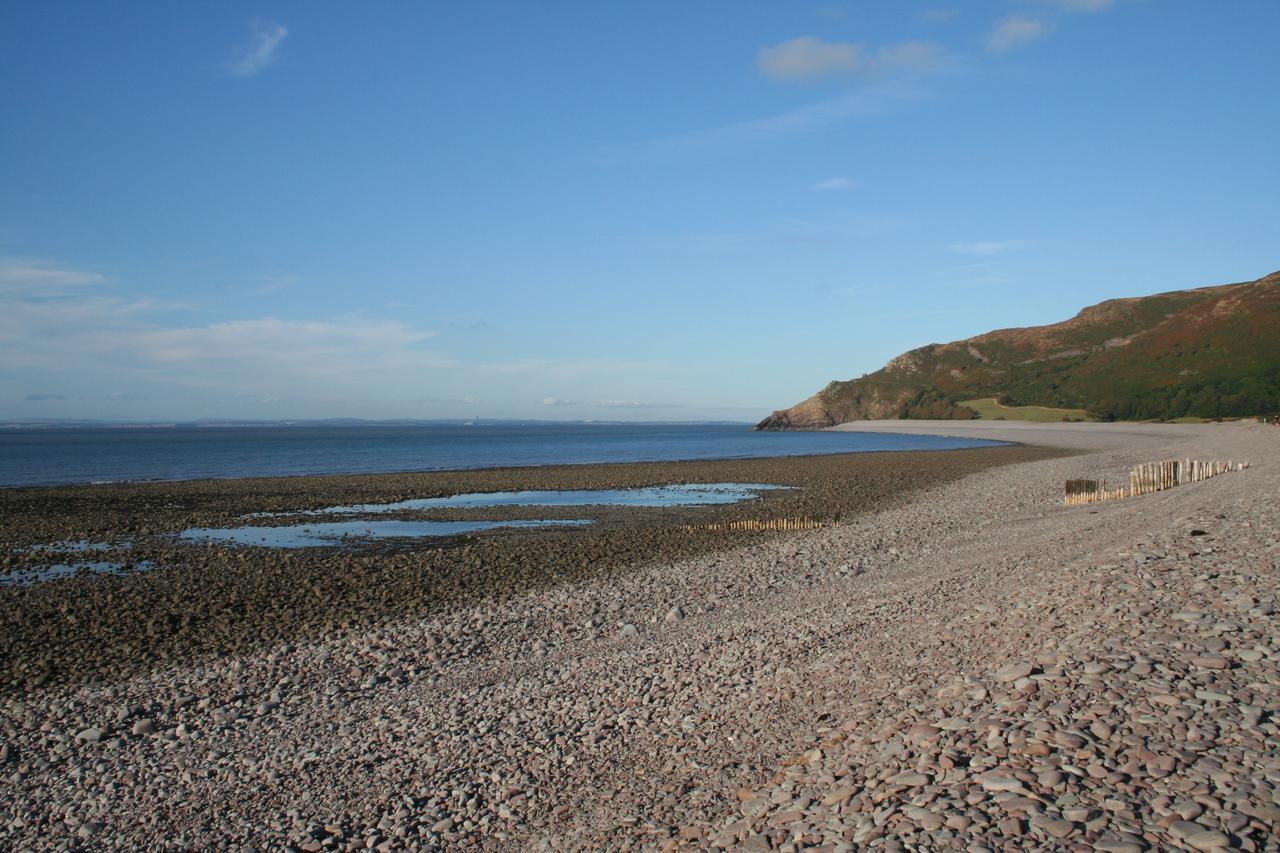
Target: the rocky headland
(1207, 352)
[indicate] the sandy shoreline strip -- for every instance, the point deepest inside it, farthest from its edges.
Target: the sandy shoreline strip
(978, 667)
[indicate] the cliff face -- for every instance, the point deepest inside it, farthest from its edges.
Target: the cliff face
(1206, 352)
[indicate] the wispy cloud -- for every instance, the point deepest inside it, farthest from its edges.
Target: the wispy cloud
(808, 58)
(888, 76)
(37, 277)
(271, 282)
(833, 184)
(865, 103)
(1015, 31)
(468, 401)
(49, 320)
(272, 339)
(258, 50)
(556, 402)
(983, 247)
(989, 272)
(635, 404)
(861, 104)
(62, 335)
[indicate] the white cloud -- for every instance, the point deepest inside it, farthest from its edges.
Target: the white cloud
(1019, 30)
(61, 336)
(983, 247)
(50, 321)
(1015, 31)
(37, 277)
(259, 50)
(808, 58)
(833, 184)
(556, 401)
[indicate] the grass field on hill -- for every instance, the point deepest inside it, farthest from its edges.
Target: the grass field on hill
(989, 410)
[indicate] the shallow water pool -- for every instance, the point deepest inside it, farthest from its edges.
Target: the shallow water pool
(342, 532)
(69, 570)
(692, 494)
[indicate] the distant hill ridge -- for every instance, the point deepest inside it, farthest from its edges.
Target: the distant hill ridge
(1207, 352)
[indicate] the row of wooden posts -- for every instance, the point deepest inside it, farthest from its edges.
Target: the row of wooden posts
(1147, 478)
(763, 524)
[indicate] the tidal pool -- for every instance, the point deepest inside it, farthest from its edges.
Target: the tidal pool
(692, 494)
(22, 577)
(343, 532)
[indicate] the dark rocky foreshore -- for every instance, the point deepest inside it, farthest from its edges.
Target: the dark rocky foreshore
(209, 600)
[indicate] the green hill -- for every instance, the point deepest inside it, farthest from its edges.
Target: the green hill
(1203, 353)
(990, 408)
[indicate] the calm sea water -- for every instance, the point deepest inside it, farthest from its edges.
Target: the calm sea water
(46, 456)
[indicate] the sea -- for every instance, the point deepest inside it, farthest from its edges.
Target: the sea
(48, 456)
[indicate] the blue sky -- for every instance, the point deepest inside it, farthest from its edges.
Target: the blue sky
(663, 211)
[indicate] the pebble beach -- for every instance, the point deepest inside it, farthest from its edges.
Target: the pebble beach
(961, 663)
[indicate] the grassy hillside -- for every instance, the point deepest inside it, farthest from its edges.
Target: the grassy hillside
(1207, 353)
(990, 408)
